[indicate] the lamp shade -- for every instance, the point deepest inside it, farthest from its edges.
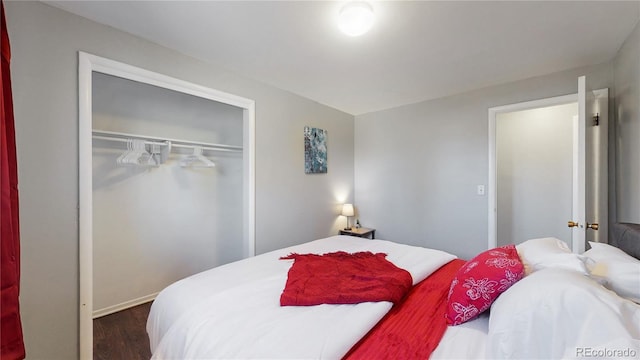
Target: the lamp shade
(347, 210)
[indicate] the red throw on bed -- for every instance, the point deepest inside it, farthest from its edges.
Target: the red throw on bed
(343, 278)
(413, 328)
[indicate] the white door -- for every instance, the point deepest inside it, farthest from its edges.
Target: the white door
(590, 207)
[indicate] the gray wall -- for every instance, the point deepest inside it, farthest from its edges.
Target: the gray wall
(627, 140)
(417, 166)
(45, 42)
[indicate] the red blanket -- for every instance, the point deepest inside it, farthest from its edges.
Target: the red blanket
(413, 328)
(343, 278)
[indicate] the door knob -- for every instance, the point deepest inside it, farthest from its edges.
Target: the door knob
(572, 224)
(593, 226)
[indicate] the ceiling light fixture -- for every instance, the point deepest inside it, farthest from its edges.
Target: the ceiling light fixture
(356, 18)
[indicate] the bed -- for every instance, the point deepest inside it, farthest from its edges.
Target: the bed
(563, 305)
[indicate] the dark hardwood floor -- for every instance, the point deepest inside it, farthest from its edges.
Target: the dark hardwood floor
(122, 335)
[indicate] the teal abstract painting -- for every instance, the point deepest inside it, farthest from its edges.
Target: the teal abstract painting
(315, 150)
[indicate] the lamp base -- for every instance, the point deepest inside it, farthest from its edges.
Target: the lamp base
(347, 228)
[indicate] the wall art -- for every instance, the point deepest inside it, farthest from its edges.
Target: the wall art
(315, 150)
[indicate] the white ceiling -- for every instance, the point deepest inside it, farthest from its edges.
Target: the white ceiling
(417, 50)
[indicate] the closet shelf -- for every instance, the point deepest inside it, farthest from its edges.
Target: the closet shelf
(153, 140)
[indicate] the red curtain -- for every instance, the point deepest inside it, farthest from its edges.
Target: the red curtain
(12, 345)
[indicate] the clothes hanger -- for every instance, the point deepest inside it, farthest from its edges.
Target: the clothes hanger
(144, 158)
(136, 154)
(121, 159)
(196, 160)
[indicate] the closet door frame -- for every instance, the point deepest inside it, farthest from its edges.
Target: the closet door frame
(87, 65)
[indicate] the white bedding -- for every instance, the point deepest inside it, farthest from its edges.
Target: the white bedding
(233, 311)
(558, 313)
(465, 341)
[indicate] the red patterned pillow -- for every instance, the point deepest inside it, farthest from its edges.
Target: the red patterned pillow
(480, 281)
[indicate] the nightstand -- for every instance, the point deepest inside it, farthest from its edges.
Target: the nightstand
(360, 232)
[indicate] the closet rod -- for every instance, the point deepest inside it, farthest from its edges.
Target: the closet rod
(152, 140)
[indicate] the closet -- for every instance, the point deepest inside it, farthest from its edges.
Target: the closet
(162, 209)
(166, 184)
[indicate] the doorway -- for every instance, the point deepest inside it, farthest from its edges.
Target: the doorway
(534, 167)
(588, 218)
(90, 65)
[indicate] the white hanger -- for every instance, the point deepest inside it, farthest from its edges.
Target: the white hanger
(144, 158)
(136, 154)
(196, 159)
(121, 159)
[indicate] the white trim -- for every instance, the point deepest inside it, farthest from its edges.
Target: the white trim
(492, 236)
(125, 71)
(85, 206)
(123, 305)
(600, 208)
(87, 64)
(580, 214)
(492, 194)
(575, 177)
(249, 188)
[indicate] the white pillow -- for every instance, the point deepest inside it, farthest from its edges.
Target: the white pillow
(555, 312)
(538, 254)
(620, 270)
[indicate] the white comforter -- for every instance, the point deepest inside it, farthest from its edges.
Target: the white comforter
(562, 314)
(233, 311)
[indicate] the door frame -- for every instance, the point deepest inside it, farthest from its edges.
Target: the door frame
(87, 65)
(492, 186)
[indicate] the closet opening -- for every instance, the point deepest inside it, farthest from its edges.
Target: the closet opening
(166, 184)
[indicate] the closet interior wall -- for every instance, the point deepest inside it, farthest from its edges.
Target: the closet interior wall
(153, 226)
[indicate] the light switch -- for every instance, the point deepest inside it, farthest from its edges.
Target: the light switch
(480, 190)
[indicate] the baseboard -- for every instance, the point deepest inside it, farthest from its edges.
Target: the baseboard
(122, 306)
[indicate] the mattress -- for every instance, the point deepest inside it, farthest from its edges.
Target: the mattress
(233, 311)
